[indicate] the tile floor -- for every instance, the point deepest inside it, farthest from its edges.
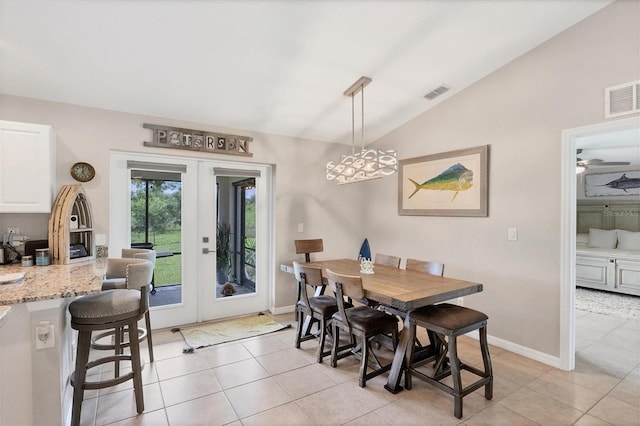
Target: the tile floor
(266, 381)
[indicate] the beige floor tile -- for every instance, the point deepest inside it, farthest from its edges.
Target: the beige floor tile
(612, 360)
(179, 366)
(265, 345)
(373, 395)
(239, 373)
(414, 407)
(540, 409)
(626, 339)
(190, 386)
(88, 411)
(588, 420)
(149, 375)
(168, 350)
(599, 322)
(498, 415)
(256, 397)
(589, 376)
(285, 360)
(287, 414)
(210, 410)
(566, 392)
(517, 368)
(218, 355)
(368, 419)
(304, 381)
(628, 390)
(153, 418)
(122, 405)
(336, 405)
(616, 412)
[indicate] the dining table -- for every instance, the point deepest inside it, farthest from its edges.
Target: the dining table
(403, 290)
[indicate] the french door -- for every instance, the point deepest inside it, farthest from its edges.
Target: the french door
(206, 195)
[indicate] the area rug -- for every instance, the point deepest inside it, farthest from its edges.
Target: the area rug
(214, 333)
(613, 304)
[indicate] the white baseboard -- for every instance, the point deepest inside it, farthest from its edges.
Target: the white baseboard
(282, 310)
(542, 357)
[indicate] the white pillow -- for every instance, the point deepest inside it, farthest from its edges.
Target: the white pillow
(602, 239)
(628, 240)
(582, 238)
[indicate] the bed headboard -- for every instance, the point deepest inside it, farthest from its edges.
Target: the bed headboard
(608, 215)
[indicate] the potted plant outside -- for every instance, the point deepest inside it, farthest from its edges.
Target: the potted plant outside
(223, 252)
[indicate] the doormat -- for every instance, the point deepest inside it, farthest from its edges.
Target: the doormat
(214, 333)
(606, 303)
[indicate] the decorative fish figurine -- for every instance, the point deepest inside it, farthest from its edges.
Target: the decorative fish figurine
(456, 178)
(624, 183)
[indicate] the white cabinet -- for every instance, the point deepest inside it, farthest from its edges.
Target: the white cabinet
(27, 167)
(608, 274)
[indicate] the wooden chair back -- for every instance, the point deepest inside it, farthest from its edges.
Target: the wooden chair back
(309, 246)
(306, 275)
(384, 259)
(432, 268)
(348, 286)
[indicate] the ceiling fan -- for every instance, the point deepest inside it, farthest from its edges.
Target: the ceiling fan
(582, 165)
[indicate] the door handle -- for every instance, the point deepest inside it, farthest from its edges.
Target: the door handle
(207, 250)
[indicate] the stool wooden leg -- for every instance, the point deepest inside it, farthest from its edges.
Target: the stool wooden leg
(80, 374)
(118, 335)
(365, 347)
(486, 359)
(136, 365)
(454, 365)
(147, 319)
(323, 335)
(334, 348)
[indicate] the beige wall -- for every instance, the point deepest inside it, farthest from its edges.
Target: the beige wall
(302, 194)
(520, 111)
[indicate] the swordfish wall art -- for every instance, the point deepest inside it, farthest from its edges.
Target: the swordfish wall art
(453, 183)
(620, 183)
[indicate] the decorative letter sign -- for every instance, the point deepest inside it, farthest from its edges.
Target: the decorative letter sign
(198, 140)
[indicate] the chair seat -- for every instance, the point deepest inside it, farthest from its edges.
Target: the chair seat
(325, 305)
(448, 317)
(105, 307)
(368, 321)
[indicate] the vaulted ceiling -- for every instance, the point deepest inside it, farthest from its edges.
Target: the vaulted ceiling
(277, 66)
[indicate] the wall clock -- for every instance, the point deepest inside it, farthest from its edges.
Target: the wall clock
(82, 172)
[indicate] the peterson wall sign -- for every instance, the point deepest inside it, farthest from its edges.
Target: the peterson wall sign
(198, 140)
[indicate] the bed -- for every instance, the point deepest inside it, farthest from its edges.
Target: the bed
(608, 247)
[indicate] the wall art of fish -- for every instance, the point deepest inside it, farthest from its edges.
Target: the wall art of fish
(624, 183)
(456, 178)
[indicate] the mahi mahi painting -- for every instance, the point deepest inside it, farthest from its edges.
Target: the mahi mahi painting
(456, 178)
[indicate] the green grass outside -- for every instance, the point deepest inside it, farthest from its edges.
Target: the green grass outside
(168, 269)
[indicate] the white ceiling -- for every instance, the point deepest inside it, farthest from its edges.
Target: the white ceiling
(274, 66)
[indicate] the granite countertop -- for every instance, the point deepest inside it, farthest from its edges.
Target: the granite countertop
(51, 282)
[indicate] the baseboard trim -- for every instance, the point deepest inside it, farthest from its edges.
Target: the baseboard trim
(282, 309)
(542, 357)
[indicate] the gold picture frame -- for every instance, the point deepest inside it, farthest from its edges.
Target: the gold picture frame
(454, 183)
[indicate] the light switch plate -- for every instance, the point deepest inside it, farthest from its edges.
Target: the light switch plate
(512, 234)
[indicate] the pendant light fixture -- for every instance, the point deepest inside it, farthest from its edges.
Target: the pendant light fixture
(368, 163)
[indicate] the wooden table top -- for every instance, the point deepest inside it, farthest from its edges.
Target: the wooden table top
(399, 288)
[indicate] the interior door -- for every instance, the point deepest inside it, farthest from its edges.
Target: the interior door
(234, 213)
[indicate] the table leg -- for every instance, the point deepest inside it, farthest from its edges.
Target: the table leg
(397, 365)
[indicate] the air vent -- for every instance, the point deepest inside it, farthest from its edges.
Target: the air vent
(622, 99)
(437, 92)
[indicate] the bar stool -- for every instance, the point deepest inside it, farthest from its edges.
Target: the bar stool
(447, 322)
(112, 309)
(128, 273)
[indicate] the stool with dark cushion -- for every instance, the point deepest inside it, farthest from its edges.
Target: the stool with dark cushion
(447, 322)
(111, 309)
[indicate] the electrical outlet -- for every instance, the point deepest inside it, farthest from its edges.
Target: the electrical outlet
(283, 268)
(13, 231)
(45, 336)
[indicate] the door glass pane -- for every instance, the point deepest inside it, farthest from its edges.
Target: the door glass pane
(156, 205)
(236, 236)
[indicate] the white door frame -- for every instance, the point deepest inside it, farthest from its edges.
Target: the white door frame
(568, 231)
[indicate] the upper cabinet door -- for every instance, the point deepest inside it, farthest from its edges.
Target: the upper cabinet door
(27, 167)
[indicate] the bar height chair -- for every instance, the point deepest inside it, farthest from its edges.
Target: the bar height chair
(319, 309)
(307, 247)
(447, 322)
(111, 309)
(361, 322)
(385, 259)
